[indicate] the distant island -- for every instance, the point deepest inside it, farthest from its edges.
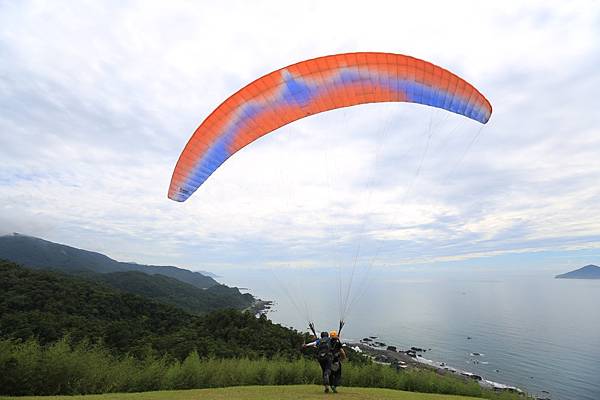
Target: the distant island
(587, 272)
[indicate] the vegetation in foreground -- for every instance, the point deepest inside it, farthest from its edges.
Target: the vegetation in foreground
(64, 335)
(28, 368)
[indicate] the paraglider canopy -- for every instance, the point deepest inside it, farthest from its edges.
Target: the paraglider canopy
(310, 87)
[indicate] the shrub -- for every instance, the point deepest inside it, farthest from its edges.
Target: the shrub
(27, 368)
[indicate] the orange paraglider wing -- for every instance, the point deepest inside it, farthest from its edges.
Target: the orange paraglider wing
(310, 87)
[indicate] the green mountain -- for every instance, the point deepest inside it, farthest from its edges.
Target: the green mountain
(587, 272)
(42, 254)
(174, 292)
(48, 305)
(204, 296)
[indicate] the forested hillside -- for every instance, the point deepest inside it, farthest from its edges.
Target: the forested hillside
(174, 292)
(187, 290)
(42, 254)
(49, 305)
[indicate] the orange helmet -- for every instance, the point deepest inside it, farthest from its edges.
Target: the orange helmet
(333, 334)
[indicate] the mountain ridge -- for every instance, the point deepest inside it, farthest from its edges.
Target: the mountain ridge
(188, 291)
(39, 253)
(167, 290)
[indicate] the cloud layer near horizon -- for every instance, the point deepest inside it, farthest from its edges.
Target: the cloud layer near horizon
(98, 100)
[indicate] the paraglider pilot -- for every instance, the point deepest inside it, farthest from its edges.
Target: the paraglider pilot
(329, 356)
(324, 356)
(337, 355)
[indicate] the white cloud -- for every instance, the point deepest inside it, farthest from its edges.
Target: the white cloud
(98, 100)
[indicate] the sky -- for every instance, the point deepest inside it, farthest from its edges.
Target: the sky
(97, 100)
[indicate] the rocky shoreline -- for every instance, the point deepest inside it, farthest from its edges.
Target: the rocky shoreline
(259, 307)
(398, 358)
(411, 358)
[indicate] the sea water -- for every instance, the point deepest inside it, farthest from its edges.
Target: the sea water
(535, 332)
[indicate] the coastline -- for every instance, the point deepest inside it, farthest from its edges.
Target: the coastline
(395, 357)
(259, 307)
(402, 359)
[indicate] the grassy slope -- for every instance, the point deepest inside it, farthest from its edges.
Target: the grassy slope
(293, 392)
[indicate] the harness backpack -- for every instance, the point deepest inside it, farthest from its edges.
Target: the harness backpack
(324, 349)
(336, 347)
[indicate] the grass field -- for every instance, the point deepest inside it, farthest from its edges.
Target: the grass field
(292, 392)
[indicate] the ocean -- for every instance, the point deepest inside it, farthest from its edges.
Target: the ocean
(531, 331)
